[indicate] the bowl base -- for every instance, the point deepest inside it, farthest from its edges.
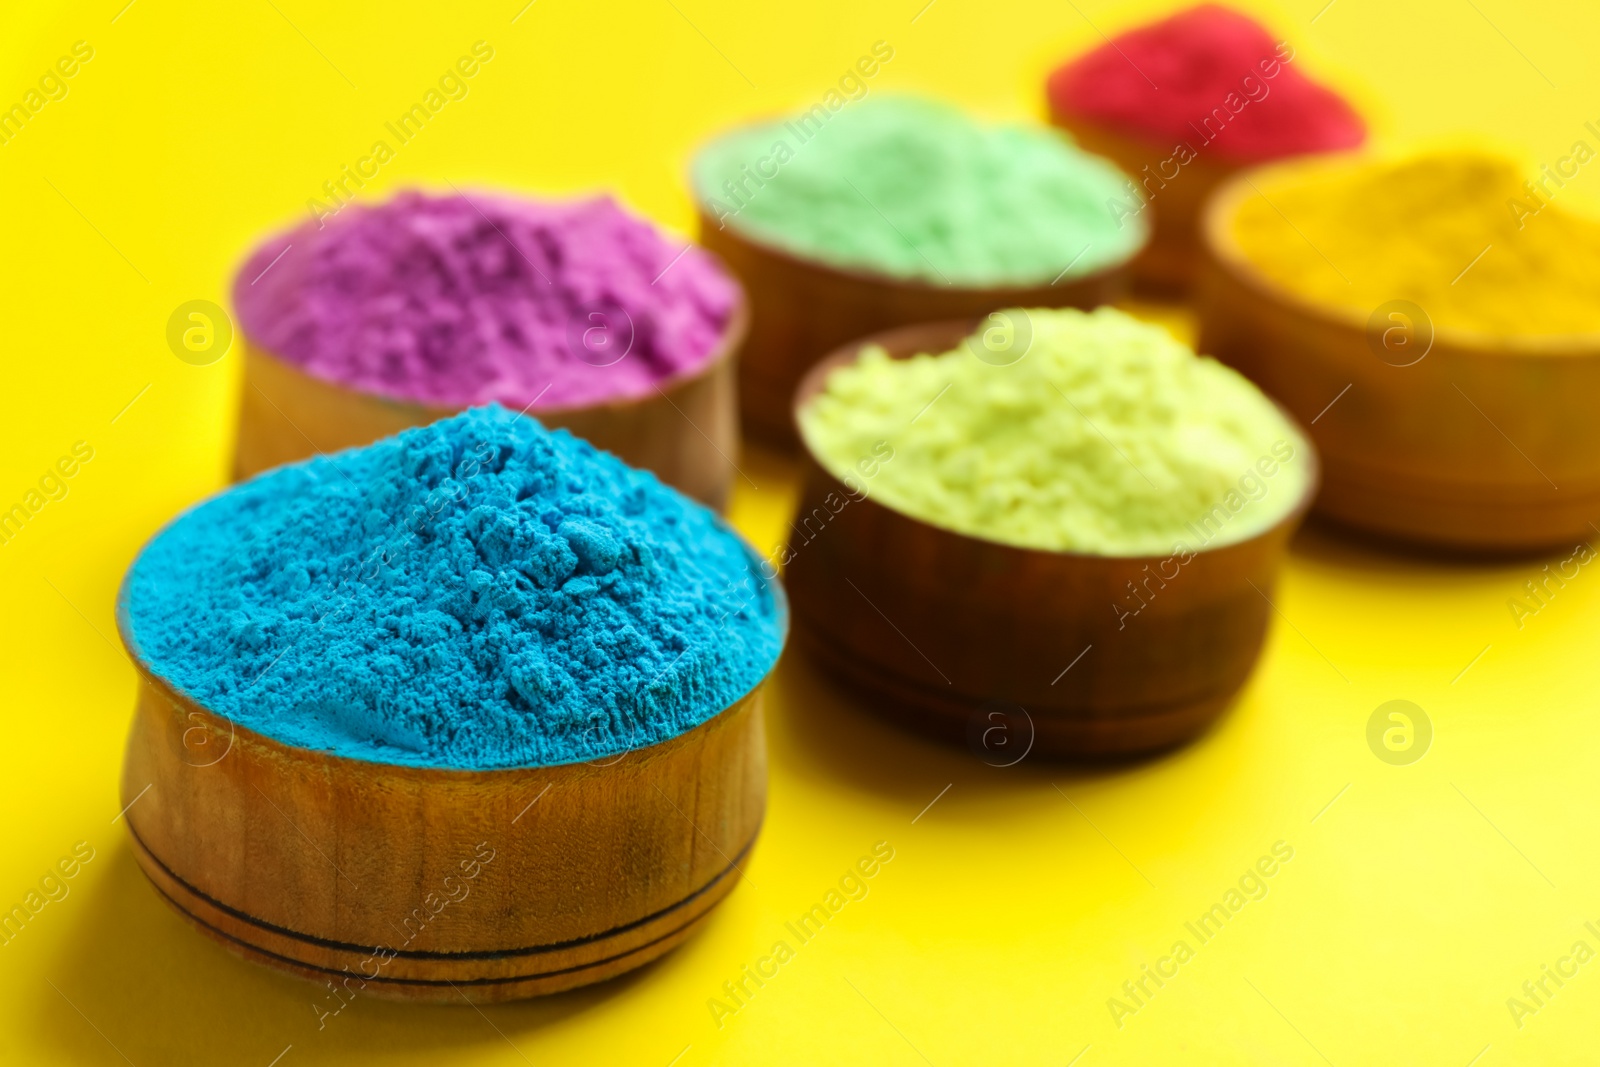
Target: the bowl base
(1057, 733)
(1471, 519)
(477, 977)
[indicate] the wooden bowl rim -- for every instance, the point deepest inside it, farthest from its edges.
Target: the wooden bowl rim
(428, 772)
(734, 333)
(1218, 241)
(1142, 140)
(1221, 165)
(905, 342)
(867, 276)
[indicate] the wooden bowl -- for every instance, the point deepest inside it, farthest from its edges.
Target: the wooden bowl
(1481, 444)
(1170, 263)
(426, 884)
(801, 309)
(686, 432)
(937, 627)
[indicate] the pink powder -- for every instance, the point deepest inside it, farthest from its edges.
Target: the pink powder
(1164, 81)
(456, 300)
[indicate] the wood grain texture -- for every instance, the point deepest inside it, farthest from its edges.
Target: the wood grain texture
(686, 432)
(801, 309)
(1481, 445)
(1170, 263)
(426, 884)
(934, 625)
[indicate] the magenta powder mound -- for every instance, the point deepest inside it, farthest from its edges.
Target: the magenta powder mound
(466, 300)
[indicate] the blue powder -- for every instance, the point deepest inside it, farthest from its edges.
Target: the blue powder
(477, 593)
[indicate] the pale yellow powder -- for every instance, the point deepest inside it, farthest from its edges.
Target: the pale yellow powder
(1106, 436)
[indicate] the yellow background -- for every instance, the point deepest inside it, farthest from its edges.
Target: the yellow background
(1015, 906)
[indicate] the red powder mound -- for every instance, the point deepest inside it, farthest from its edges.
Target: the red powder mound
(1212, 79)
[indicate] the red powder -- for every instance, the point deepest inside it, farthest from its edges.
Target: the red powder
(1209, 78)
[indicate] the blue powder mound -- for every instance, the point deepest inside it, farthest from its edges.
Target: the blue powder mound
(477, 593)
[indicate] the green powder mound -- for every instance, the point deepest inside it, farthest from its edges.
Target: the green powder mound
(1106, 436)
(915, 189)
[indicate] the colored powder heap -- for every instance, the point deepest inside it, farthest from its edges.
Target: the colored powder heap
(1360, 234)
(1206, 78)
(477, 593)
(1107, 437)
(916, 190)
(456, 301)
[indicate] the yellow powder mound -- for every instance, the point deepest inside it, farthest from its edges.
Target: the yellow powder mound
(1464, 236)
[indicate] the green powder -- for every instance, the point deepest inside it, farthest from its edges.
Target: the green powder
(915, 189)
(1106, 436)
